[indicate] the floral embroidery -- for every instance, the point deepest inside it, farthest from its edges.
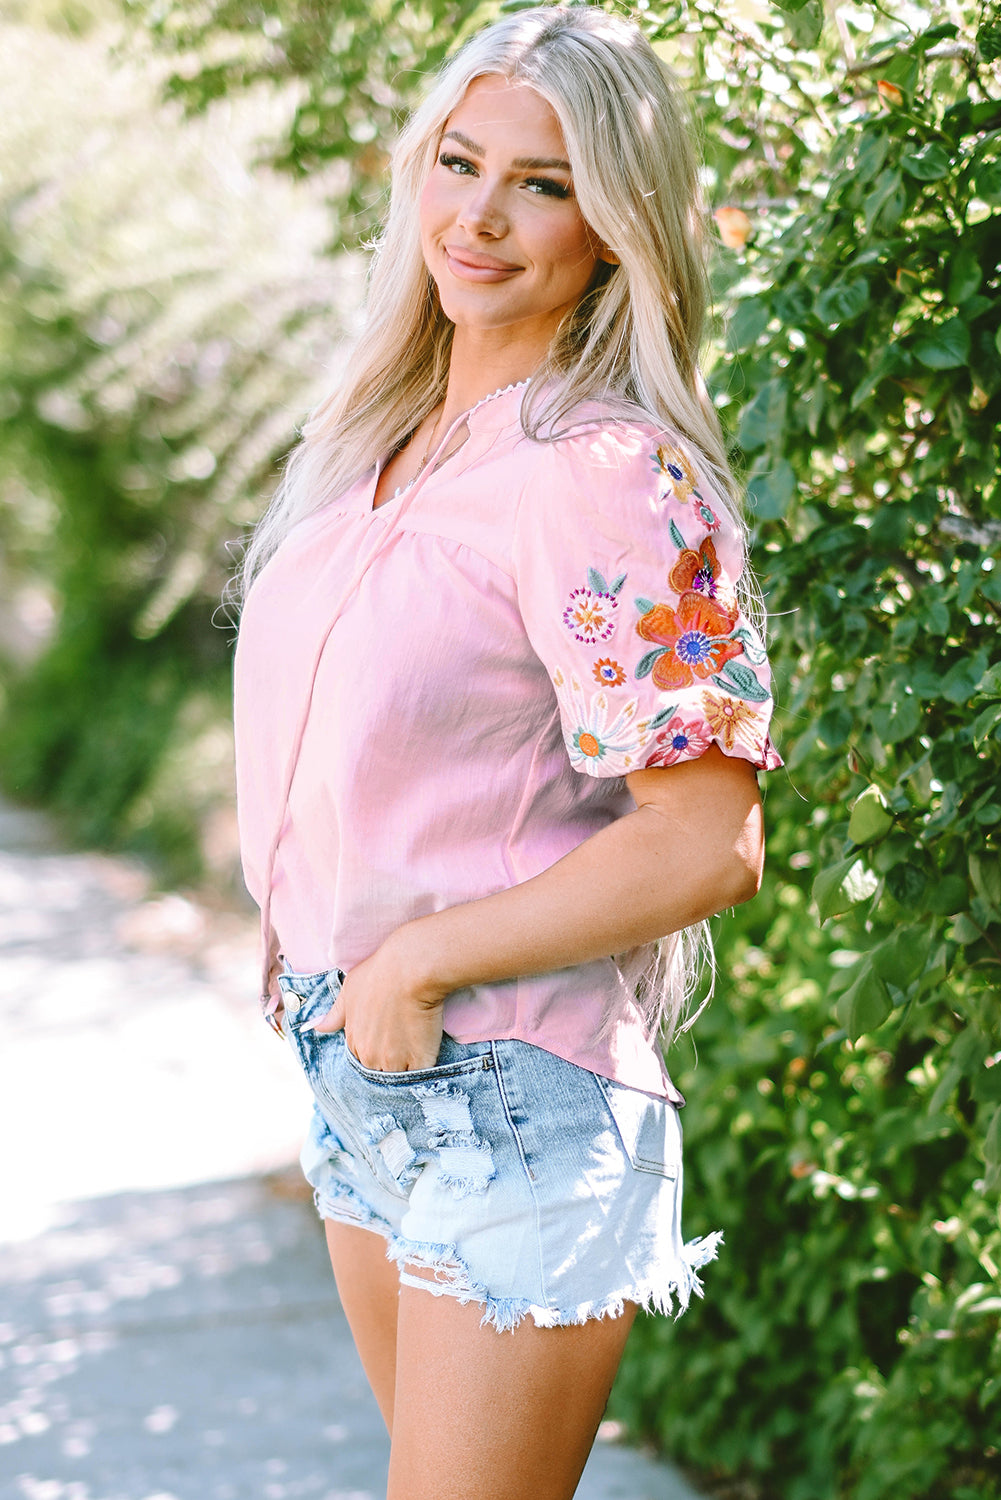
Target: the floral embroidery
(678, 739)
(707, 516)
(590, 616)
(609, 673)
(693, 641)
(697, 569)
(675, 468)
(591, 611)
(602, 742)
(730, 720)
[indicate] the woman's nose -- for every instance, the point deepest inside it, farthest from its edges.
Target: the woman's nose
(482, 212)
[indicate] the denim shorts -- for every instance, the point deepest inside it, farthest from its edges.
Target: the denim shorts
(504, 1175)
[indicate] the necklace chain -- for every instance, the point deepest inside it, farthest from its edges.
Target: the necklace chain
(427, 454)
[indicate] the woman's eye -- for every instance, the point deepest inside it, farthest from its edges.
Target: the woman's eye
(548, 187)
(457, 163)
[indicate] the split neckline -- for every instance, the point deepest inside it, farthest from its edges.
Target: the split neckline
(436, 460)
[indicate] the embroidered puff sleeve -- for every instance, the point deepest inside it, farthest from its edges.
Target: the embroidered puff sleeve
(626, 565)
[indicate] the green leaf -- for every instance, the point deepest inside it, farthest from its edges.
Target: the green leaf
(806, 24)
(945, 347)
(596, 581)
(900, 959)
(871, 154)
(949, 896)
(749, 321)
(988, 182)
(907, 884)
(769, 491)
(992, 1141)
(965, 276)
(898, 719)
(676, 537)
(842, 302)
(964, 930)
(762, 422)
(742, 681)
(865, 1005)
(885, 364)
(887, 201)
(664, 716)
(870, 819)
(962, 680)
(985, 872)
(929, 164)
(841, 885)
(645, 664)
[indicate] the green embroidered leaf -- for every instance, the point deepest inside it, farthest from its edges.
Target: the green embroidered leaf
(645, 665)
(617, 585)
(751, 642)
(596, 581)
(643, 605)
(741, 680)
(663, 717)
(677, 538)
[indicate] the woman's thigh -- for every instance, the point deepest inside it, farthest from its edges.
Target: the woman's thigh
(369, 1289)
(483, 1415)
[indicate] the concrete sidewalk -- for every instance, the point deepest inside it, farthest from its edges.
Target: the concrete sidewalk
(169, 1328)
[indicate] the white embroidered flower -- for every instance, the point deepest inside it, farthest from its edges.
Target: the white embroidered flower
(589, 615)
(601, 739)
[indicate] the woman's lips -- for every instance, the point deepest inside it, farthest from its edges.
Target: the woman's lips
(470, 267)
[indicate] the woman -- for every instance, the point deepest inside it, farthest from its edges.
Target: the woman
(498, 717)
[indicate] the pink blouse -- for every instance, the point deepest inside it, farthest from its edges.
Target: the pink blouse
(451, 687)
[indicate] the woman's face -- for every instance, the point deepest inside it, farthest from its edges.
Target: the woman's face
(501, 231)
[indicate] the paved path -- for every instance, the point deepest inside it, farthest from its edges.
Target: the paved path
(169, 1328)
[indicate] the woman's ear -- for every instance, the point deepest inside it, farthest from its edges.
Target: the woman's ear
(608, 256)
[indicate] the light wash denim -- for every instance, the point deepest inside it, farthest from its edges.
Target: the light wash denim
(503, 1175)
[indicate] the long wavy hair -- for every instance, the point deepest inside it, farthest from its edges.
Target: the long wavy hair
(632, 342)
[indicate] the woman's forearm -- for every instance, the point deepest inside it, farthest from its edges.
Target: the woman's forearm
(692, 847)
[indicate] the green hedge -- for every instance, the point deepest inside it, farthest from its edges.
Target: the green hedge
(845, 1116)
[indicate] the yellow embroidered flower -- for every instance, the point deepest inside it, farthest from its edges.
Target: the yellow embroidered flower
(672, 463)
(729, 720)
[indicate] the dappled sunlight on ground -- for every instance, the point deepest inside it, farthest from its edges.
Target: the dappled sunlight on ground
(134, 1056)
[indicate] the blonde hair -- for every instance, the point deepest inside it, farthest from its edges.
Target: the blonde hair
(632, 342)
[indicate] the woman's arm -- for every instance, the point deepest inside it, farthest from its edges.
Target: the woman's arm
(693, 846)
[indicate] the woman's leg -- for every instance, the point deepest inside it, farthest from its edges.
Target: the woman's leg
(482, 1415)
(369, 1288)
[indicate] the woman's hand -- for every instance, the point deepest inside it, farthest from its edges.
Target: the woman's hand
(390, 1014)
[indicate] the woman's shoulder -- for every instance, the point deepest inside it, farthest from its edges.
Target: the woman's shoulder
(606, 454)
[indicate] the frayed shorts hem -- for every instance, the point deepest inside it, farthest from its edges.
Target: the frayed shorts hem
(669, 1295)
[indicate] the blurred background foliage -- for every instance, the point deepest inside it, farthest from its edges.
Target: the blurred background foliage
(187, 188)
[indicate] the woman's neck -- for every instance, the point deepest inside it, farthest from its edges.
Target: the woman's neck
(480, 366)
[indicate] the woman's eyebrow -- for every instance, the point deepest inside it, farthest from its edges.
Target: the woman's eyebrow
(531, 163)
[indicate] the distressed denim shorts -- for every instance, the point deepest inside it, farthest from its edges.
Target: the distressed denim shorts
(506, 1175)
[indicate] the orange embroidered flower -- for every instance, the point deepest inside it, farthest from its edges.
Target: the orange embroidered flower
(694, 640)
(697, 569)
(729, 719)
(608, 672)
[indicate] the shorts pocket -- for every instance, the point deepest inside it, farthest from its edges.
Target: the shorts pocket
(648, 1127)
(458, 1067)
